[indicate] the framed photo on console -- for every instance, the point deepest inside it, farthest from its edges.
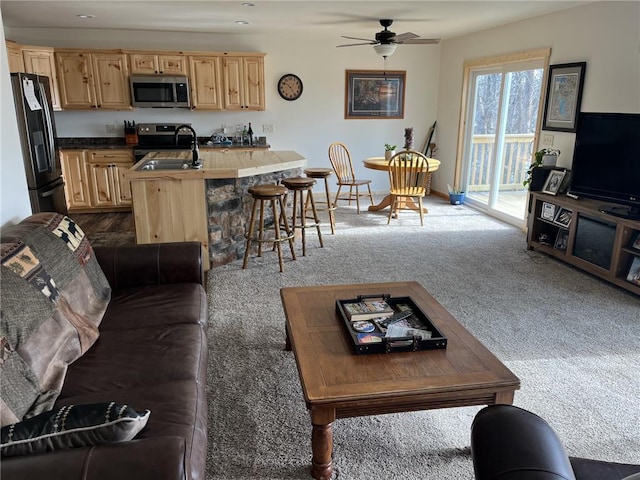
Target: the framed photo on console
(635, 242)
(563, 217)
(561, 239)
(548, 211)
(554, 182)
(634, 272)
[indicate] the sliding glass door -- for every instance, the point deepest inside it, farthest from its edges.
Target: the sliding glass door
(501, 119)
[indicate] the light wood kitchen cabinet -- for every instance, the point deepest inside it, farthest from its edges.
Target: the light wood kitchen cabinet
(41, 61)
(14, 55)
(206, 85)
(243, 83)
(76, 180)
(147, 63)
(37, 60)
(93, 80)
(109, 187)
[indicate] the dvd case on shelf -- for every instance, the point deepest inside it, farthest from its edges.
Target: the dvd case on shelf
(366, 309)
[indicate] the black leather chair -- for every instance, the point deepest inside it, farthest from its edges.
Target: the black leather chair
(509, 443)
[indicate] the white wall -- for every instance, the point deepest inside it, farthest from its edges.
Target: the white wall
(606, 35)
(14, 197)
(307, 125)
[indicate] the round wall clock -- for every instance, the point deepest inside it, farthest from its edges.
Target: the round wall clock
(290, 86)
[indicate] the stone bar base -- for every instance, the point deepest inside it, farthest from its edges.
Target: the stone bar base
(229, 211)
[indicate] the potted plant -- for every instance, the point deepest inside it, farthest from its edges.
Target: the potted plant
(389, 151)
(544, 157)
(456, 195)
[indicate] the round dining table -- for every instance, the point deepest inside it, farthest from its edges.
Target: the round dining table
(381, 163)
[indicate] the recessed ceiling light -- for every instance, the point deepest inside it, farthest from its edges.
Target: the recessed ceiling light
(242, 22)
(85, 16)
(248, 4)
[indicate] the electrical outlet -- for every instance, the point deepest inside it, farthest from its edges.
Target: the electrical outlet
(546, 140)
(111, 128)
(268, 128)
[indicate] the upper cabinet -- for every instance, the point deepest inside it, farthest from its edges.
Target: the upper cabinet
(83, 79)
(243, 82)
(41, 62)
(93, 80)
(111, 81)
(14, 54)
(150, 64)
(206, 83)
(37, 60)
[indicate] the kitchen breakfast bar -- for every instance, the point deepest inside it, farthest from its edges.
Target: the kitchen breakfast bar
(173, 203)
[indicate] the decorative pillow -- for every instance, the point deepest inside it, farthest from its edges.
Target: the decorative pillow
(72, 426)
(53, 297)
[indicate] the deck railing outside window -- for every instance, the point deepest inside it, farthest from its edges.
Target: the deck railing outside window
(518, 150)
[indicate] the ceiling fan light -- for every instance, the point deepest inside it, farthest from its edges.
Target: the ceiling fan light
(385, 50)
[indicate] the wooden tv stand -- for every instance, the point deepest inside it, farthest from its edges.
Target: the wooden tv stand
(576, 232)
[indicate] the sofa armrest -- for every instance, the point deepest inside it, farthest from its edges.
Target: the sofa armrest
(151, 264)
(510, 443)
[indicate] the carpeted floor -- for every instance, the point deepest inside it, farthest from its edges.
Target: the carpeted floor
(571, 338)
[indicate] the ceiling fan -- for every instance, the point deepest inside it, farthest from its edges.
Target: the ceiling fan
(386, 41)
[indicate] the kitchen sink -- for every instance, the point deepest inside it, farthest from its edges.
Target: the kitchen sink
(165, 164)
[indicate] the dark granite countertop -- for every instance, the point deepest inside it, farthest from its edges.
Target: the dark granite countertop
(78, 143)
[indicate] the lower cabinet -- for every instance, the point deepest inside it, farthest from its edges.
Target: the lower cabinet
(577, 232)
(171, 210)
(95, 179)
(76, 181)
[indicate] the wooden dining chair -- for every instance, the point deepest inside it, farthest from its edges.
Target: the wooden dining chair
(408, 177)
(341, 162)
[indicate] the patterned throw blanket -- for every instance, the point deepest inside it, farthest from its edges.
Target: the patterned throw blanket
(53, 298)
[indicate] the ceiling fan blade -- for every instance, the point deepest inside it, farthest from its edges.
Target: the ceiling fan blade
(357, 38)
(421, 41)
(404, 36)
(355, 44)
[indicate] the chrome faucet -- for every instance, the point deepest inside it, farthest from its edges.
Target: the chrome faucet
(195, 154)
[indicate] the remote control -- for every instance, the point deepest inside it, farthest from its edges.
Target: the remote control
(396, 318)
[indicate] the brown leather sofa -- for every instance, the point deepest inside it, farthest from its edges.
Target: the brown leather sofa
(151, 354)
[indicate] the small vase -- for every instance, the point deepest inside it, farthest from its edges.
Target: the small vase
(549, 160)
(388, 154)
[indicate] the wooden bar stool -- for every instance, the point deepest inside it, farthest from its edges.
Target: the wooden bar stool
(299, 185)
(324, 173)
(263, 194)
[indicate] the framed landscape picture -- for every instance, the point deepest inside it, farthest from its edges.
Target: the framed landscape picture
(564, 95)
(374, 94)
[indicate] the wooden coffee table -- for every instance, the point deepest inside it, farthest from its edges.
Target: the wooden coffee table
(337, 383)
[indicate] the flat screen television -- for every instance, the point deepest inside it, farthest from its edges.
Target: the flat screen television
(606, 161)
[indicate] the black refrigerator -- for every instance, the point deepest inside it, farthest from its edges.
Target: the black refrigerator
(38, 141)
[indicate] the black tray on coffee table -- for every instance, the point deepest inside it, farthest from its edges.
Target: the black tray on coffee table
(375, 341)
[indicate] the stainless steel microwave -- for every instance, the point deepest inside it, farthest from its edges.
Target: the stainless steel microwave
(160, 91)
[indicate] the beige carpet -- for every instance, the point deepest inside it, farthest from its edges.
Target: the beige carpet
(571, 338)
